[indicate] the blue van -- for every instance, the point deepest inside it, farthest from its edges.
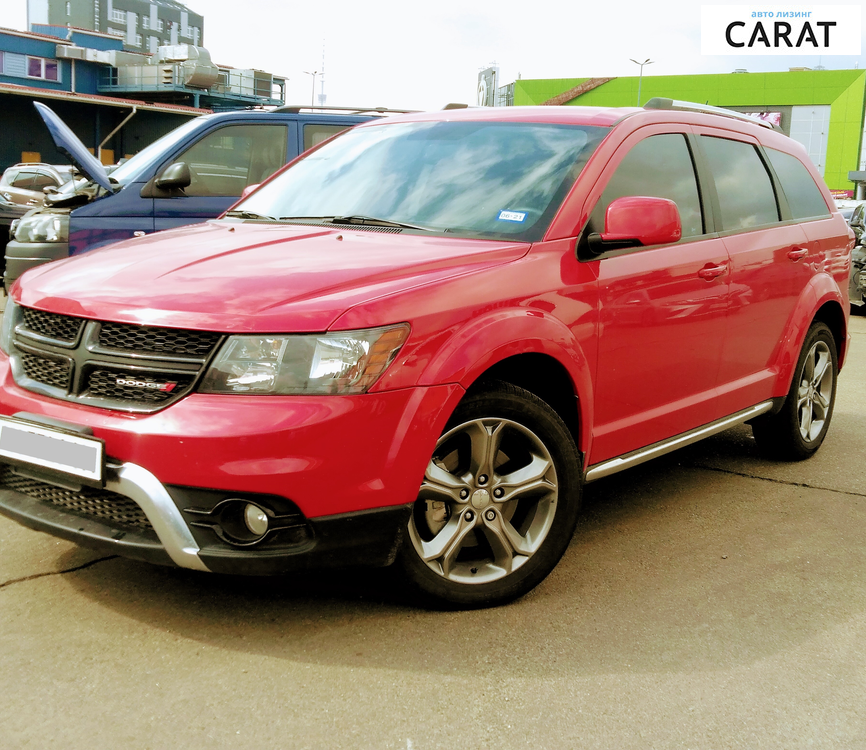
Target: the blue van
(193, 173)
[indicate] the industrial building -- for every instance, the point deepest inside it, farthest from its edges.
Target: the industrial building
(822, 109)
(143, 25)
(115, 100)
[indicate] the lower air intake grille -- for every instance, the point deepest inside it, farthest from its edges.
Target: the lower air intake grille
(91, 503)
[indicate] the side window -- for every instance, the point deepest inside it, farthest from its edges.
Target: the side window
(660, 167)
(225, 161)
(24, 180)
(745, 191)
(43, 179)
(315, 134)
(804, 197)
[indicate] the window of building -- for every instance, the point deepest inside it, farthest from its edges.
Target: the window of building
(145, 22)
(224, 162)
(660, 167)
(1, 63)
(118, 16)
(804, 197)
(746, 195)
(39, 67)
(68, 9)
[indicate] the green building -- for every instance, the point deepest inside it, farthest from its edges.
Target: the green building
(822, 109)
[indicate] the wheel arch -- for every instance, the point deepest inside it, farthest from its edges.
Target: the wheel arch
(527, 348)
(819, 301)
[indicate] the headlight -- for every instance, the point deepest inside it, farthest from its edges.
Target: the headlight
(341, 362)
(43, 228)
(9, 317)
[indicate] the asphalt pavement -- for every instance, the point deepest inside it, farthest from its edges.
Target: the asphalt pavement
(709, 599)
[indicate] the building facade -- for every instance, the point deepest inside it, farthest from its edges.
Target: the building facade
(115, 100)
(822, 109)
(142, 25)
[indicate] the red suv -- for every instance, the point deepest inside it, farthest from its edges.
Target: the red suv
(418, 341)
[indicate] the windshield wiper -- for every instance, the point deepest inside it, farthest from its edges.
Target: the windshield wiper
(374, 222)
(249, 215)
(356, 220)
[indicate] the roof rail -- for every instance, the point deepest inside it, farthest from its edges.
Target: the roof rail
(660, 102)
(296, 108)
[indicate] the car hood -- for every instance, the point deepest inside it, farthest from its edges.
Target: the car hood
(248, 277)
(69, 144)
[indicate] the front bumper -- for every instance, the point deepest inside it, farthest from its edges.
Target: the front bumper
(22, 256)
(363, 538)
(349, 466)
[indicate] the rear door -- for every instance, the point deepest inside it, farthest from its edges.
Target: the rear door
(662, 315)
(769, 264)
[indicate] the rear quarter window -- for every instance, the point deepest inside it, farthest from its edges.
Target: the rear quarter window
(804, 197)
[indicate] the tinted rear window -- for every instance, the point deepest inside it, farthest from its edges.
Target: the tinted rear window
(746, 195)
(804, 196)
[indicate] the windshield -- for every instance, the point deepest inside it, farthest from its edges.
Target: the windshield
(502, 180)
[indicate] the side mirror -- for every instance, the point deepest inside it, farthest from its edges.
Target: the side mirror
(175, 177)
(636, 221)
(248, 189)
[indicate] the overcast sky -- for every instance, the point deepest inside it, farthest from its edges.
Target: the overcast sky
(401, 54)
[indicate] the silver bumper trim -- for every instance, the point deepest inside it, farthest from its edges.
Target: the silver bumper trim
(147, 491)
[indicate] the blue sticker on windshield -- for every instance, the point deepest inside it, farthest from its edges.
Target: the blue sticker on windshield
(517, 216)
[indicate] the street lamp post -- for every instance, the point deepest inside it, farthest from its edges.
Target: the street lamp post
(640, 77)
(312, 95)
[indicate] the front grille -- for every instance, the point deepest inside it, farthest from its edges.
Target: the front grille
(103, 505)
(82, 360)
(51, 325)
(49, 371)
(161, 340)
(103, 384)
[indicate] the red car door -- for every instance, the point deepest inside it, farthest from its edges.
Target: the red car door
(769, 266)
(661, 309)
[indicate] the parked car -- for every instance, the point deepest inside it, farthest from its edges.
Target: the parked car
(24, 184)
(22, 187)
(417, 343)
(193, 173)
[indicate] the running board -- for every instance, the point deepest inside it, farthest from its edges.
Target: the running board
(615, 465)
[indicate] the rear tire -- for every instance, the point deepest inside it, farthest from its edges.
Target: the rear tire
(498, 504)
(799, 428)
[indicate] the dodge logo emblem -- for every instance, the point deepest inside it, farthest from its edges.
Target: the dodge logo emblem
(164, 387)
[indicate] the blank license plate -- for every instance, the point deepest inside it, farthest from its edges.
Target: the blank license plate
(26, 443)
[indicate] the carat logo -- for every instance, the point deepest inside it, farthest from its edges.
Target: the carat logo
(780, 30)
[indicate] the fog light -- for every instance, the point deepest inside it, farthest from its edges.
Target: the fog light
(255, 519)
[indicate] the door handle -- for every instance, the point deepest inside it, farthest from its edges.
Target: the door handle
(797, 253)
(708, 273)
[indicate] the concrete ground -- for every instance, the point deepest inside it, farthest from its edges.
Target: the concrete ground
(709, 599)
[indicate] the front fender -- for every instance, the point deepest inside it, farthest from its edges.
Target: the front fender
(483, 342)
(821, 290)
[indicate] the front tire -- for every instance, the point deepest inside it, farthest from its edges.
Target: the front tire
(799, 428)
(498, 504)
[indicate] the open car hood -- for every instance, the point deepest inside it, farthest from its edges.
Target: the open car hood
(69, 144)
